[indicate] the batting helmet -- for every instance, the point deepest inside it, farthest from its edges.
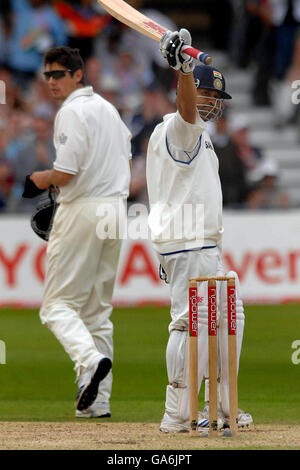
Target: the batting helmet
(210, 78)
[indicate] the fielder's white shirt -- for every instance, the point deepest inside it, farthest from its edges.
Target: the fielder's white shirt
(183, 186)
(93, 143)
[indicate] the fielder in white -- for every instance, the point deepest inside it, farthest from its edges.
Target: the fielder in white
(92, 171)
(186, 222)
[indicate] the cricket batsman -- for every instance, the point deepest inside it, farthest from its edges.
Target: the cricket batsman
(185, 221)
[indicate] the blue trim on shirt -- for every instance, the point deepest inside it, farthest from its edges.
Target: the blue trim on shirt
(187, 153)
(192, 249)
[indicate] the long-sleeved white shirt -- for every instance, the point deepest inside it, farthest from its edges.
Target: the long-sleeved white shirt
(183, 186)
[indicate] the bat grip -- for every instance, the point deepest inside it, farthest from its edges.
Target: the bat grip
(199, 55)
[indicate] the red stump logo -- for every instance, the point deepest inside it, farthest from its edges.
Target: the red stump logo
(231, 310)
(193, 308)
(212, 311)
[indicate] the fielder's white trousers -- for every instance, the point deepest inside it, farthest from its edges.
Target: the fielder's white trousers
(79, 282)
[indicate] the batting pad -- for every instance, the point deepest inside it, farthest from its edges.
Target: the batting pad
(177, 392)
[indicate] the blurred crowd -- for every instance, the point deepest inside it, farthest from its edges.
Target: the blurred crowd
(126, 68)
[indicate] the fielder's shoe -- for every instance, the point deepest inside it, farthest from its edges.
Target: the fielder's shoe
(99, 409)
(88, 392)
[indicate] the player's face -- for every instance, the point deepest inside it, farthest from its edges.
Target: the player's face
(209, 104)
(61, 82)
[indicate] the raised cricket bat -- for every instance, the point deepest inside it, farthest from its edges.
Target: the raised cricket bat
(136, 20)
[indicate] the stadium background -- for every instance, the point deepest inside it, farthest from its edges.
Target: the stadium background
(258, 144)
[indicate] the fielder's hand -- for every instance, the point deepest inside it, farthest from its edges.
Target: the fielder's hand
(170, 47)
(40, 179)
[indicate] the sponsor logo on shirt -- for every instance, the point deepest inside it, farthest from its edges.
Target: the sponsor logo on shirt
(208, 145)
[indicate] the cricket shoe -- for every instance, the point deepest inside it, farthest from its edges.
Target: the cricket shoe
(99, 409)
(244, 419)
(172, 425)
(203, 421)
(88, 391)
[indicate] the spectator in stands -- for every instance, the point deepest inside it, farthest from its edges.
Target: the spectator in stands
(6, 183)
(133, 78)
(5, 27)
(14, 97)
(247, 29)
(232, 169)
(251, 156)
(138, 184)
(2, 42)
(285, 17)
(106, 46)
(274, 53)
(93, 73)
(259, 12)
(35, 27)
(146, 50)
(84, 23)
(39, 100)
(154, 105)
(104, 83)
(6, 171)
(110, 90)
(18, 132)
(266, 194)
(286, 107)
(36, 153)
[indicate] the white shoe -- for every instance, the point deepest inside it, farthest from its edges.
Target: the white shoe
(98, 409)
(244, 419)
(88, 390)
(203, 420)
(173, 425)
(170, 425)
(173, 428)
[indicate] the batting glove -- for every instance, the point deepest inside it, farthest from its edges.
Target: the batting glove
(170, 47)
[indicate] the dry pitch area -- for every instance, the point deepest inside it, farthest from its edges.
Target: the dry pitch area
(137, 436)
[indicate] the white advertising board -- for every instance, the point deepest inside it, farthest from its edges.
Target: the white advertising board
(263, 247)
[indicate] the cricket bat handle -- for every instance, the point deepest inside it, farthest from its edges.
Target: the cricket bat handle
(198, 55)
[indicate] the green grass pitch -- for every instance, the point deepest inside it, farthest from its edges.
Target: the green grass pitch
(37, 381)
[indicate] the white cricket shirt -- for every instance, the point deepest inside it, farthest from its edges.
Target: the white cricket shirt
(183, 186)
(93, 143)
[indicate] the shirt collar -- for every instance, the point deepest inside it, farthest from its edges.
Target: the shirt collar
(84, 91)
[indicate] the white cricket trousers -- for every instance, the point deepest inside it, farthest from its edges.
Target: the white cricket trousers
(80, 276)
(179, 268)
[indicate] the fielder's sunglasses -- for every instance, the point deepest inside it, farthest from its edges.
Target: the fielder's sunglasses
(56, 74)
